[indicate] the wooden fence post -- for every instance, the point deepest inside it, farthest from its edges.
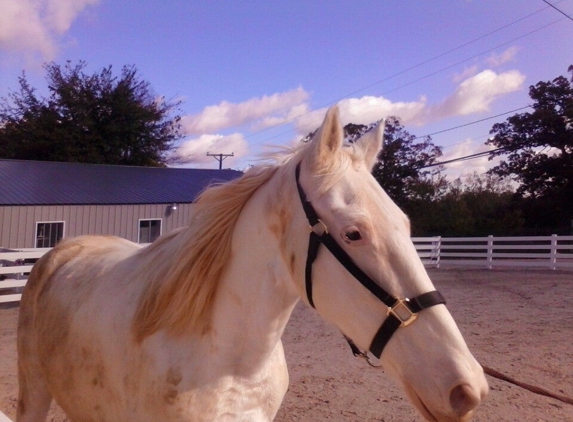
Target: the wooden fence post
(437, 247)
(4, 418)
(553, 254)
(490, 252)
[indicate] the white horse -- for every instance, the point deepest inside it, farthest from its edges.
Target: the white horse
(189, 328)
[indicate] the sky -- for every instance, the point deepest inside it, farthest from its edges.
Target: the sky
(254, 75)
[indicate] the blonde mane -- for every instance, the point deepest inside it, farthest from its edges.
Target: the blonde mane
(184, 266)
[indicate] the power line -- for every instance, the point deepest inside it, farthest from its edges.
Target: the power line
(440, 56)
(473, 57)
(559, 10)
(472, 123)
(422, 78)
(404, 85)
(471, 156)
(473, 138)
(464, 158)
(401, 72)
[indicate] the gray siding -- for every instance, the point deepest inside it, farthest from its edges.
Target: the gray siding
(18, 223)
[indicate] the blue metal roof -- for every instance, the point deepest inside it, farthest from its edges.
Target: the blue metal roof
(51, 183)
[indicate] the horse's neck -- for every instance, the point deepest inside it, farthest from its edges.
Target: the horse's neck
(256, 295)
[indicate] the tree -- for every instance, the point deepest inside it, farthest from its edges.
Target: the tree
(402, 171)
(402, 164)
(478, 206)
(97, 118)
(539, 149)
(489, 200)
(539, 145)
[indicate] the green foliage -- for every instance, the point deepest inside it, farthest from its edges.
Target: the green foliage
(539, 144)
(539, 154)
(97, 118)
(538, 151)
(400, 167)
(480, 206)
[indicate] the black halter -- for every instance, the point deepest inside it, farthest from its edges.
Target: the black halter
(401, 312)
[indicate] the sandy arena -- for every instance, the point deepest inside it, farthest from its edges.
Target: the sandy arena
(515, 321)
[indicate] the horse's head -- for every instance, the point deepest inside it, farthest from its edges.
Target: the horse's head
(427, 354)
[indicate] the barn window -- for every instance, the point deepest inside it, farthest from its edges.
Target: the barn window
(149, 230)
(48, 233)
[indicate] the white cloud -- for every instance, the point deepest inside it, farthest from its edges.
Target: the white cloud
(475, 94)
(194, 151)
(271, 109)
(466, 73)
(293, 114)
(466, 168)
(33, 26)
(366, 110)
(370, 109)
(502, 58)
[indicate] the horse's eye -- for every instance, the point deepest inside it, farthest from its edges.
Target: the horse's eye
(353, 235)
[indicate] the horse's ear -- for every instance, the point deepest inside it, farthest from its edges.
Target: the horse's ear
(328, 140)
(371, 143)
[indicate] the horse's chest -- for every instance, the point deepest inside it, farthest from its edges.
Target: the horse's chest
(230, 402)
(190, 394)
(205, 392)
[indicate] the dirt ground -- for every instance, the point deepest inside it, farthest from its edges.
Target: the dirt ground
(517, 322)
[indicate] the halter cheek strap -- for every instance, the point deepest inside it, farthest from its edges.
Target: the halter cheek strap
(401, 312)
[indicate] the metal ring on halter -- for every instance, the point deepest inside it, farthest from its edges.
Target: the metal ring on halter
(370, 358)
(373, 360)
(367, 355)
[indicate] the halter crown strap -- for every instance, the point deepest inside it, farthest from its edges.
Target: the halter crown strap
(401, 312)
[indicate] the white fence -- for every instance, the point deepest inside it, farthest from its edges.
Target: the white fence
(552, 252)
(14, 267)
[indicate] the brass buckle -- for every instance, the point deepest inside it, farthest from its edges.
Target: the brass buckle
(401, 311)
(324, 228)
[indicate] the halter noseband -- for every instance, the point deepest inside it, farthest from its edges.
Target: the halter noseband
(401, 312)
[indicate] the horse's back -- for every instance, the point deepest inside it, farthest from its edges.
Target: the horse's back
(74, 257)
(64, 295)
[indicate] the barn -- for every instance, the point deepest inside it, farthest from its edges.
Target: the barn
(42, 202)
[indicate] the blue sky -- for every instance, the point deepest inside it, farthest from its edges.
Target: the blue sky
(259, 73)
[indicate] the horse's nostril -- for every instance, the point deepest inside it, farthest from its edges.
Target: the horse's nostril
(463, 399)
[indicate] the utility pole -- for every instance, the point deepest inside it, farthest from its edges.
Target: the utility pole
(220, 158)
